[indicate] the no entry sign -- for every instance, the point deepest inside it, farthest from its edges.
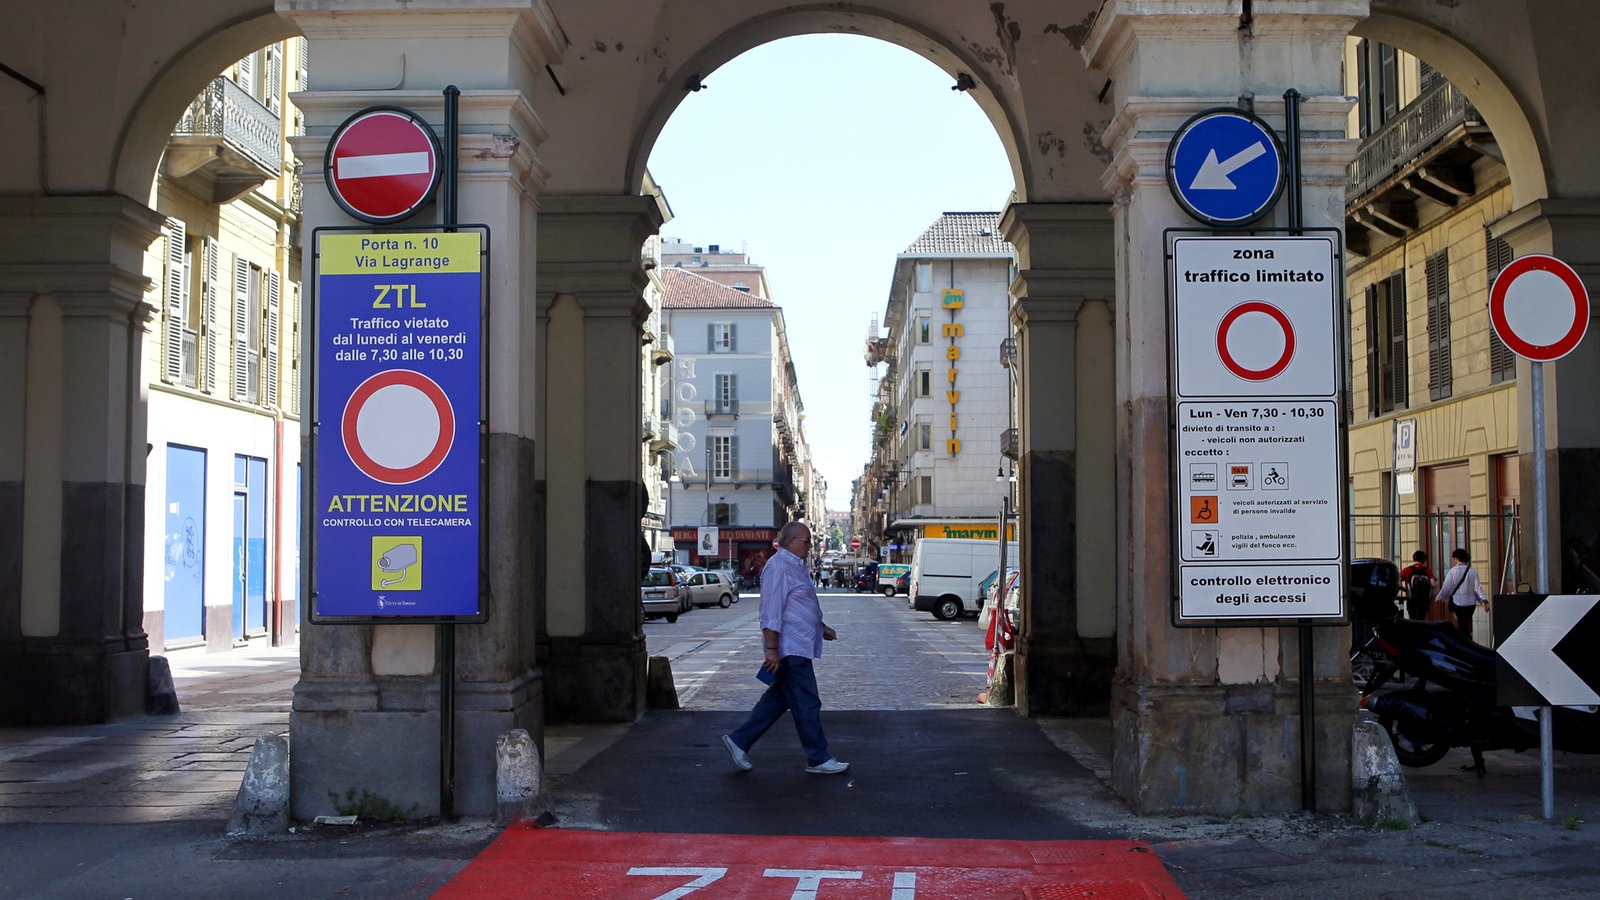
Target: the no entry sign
(382, 164)
(1539, 308)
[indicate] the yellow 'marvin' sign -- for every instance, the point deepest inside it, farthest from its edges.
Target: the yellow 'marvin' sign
(974, 532)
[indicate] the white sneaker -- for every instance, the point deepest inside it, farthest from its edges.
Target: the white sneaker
(830, 767)
(739, 758)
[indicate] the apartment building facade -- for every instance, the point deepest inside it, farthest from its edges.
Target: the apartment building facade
(223, 364)
(944, 403)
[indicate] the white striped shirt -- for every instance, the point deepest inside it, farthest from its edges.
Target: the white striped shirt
(790, 607)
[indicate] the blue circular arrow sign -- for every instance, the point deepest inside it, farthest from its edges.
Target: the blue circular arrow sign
(1225, 167)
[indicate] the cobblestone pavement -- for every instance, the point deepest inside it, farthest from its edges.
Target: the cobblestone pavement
(137, 808)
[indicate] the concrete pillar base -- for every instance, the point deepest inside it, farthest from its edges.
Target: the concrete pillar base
(594, 678)
(393, 756)
(1227, 749)
(1067, 679)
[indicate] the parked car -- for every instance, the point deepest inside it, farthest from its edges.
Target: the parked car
(663, 595)
(902, 585)
(710, 587)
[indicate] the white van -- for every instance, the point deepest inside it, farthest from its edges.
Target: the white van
(946, 572)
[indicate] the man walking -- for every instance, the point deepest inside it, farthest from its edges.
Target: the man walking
(792, 632)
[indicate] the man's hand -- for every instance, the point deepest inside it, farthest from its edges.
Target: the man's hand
(770, 659)
(828, 634)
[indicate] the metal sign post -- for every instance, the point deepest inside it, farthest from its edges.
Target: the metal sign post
(1539, 308)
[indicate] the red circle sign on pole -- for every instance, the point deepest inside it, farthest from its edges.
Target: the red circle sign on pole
(1539, 308)
(382, 164)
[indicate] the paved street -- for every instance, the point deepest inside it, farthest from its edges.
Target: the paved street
(137, 808)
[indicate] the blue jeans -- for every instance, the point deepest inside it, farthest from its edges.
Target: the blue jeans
(794, 691)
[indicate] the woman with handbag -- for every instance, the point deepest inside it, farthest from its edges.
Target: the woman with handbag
(1460, 586)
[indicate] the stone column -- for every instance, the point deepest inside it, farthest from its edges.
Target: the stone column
(1065, 254)
(72, 315)
(1569, 230)
(1207, 719)
(366, 710)
(590, 266)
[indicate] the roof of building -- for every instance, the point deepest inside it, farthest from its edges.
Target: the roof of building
(686, 290)
(962, 234)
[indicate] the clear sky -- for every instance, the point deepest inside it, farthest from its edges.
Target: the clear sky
(823, 157)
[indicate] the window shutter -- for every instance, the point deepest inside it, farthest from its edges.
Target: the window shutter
(246, 70)
(1502, 362)
(274, 77)
(1363, 87)
(733, 513)
(1400, 396)
(177, 291)
(1389, 77)
(1374, 355)
(711, 338)
(1440, 376)
(733, 393)
(241, 311)
(733, 456)
(733, 337)
(302, 57)
(209, 312)
(274, 290)
(294, 354)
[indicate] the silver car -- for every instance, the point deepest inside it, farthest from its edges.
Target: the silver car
(712, 588)
(662, 594)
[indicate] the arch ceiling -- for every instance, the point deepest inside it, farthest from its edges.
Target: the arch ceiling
(1030, 79)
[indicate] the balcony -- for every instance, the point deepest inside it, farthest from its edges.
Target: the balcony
(1424, 154)
(1010, 446)
(665, 437)
(1008, 352)
(226, 144)
(878, 350)
(664, 348)
(722, 408)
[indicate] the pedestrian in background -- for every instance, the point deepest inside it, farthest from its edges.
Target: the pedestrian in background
(1460, 586)
(1418, 581)
(792, 632)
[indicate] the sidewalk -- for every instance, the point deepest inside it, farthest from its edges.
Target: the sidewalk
(137, 808)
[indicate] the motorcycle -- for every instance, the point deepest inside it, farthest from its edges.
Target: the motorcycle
(1452, 702)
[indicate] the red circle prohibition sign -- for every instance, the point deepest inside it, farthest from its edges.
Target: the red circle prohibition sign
(1546, 291)
(435, 456)
(1240, 369)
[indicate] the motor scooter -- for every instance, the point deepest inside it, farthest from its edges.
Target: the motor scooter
(1452, 703)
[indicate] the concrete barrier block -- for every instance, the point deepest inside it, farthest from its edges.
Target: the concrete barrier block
(161, 696)
(262, 806)
(660, 692)
(519, 780)
(1378, 787)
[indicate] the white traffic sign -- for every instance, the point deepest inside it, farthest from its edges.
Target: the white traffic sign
(1543, 649)
(1259, 500)
(382, 164)
(1255, 316)
(1539, 308)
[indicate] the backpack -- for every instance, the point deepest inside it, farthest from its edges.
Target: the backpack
(1420, 587)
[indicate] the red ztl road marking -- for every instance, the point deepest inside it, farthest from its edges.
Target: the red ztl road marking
(530, 862)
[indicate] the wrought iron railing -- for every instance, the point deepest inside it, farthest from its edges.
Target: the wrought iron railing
(226, 110)
(1420, 125)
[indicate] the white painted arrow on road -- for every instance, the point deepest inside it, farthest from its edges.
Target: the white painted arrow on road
(1531, 650)
(1213, 175)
